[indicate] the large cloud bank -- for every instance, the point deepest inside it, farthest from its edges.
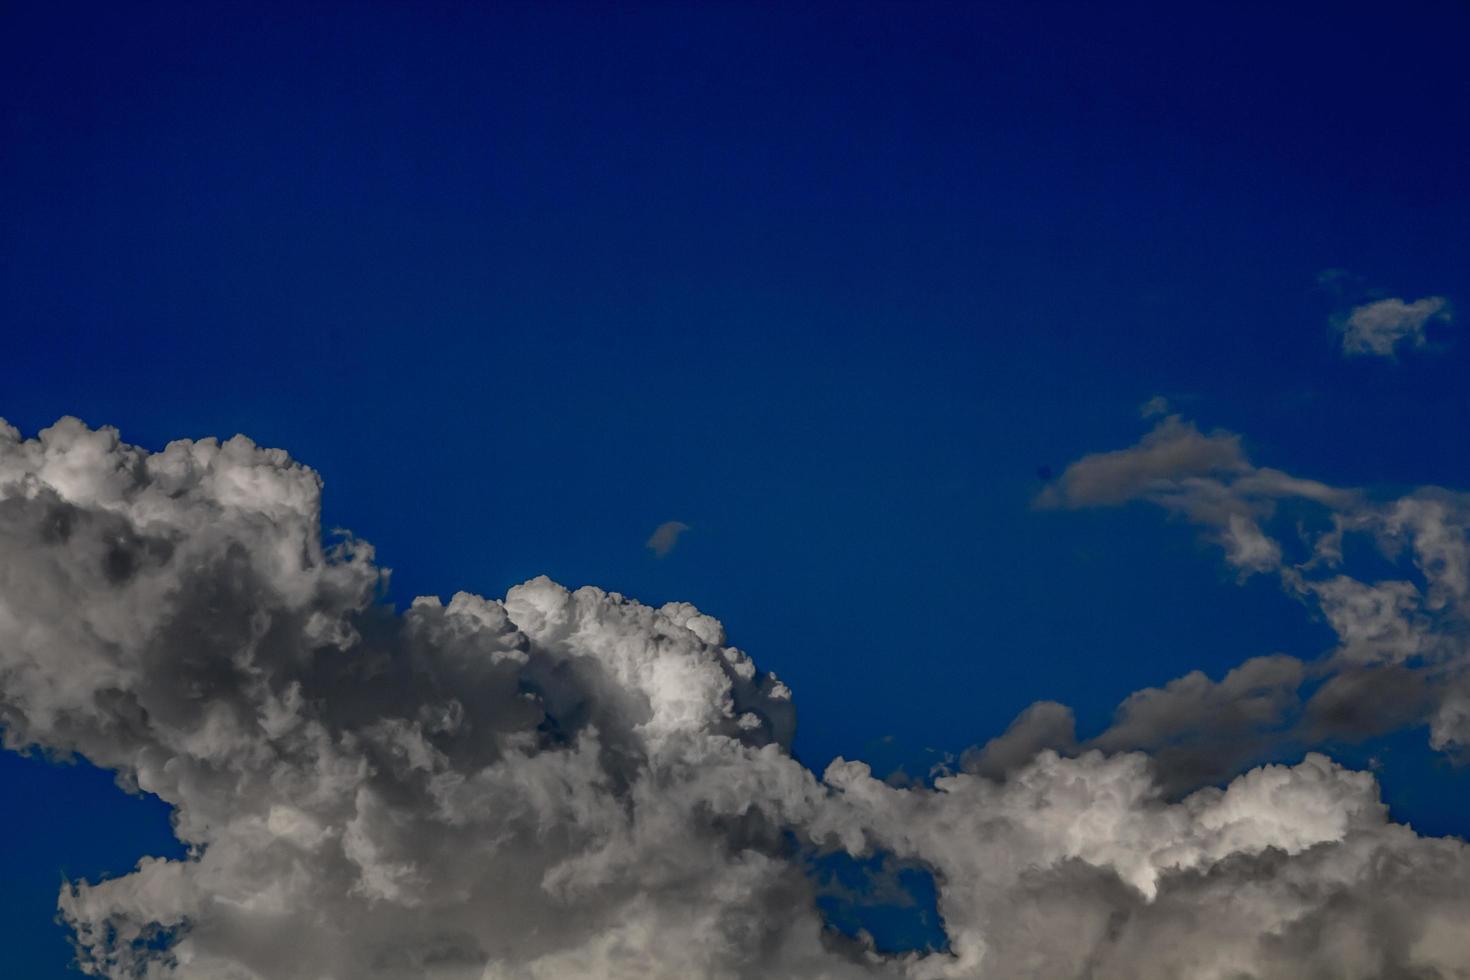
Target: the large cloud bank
(570, 784)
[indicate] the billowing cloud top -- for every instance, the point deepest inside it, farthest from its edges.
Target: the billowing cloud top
(571, 784)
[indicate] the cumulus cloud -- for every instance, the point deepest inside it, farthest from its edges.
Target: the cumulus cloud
(665, 537)
(1077, 868)
(572, 784)
(1381, 327)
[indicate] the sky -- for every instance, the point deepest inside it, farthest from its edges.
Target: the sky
(819, 317)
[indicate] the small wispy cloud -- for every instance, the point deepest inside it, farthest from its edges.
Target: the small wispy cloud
(664, 537)
(1156, 406)
(1379, 328)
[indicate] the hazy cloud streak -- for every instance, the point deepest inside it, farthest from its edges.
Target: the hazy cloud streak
(1379, 328)
(665, 537)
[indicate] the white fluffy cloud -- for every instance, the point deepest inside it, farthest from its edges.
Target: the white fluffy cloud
(571, 784)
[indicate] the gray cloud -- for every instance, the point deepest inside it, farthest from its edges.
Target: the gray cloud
(1156, 406)
(1201, 732)
(1162, 463)
(1401, 658)
(665, 537)
(1206, 479)
(1379, 328)
(1045, 725)
(1196, 731)
(572, 784)
(1077, 868)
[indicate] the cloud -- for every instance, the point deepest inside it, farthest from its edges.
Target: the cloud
(1401, 657)
(1379, 328)
(1163, 461)
(1206, 479)
(569, 783)
(1077, 868)
(665, 537)
(1155, 406)
(1200, 732)
(1044, 725)
(1196, 731)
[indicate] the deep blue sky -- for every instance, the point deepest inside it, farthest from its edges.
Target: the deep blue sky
(826, 282)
